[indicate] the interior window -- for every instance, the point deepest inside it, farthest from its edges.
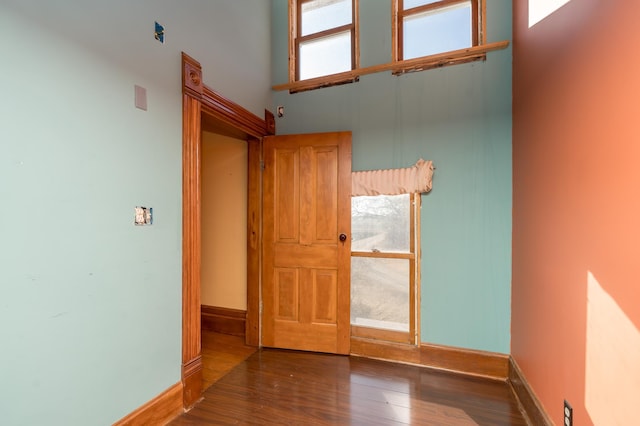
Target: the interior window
(324, 38)
(383, 267)
(429, 27)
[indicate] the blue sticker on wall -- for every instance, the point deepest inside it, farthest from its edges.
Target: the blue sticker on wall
(159, 33)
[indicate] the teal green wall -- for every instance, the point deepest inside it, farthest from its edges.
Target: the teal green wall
(90, 305)
(459, 117)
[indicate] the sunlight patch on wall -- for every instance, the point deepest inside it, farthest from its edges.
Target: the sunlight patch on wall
(612, 377)
(540, 9)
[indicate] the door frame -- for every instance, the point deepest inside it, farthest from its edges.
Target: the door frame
(201, 106)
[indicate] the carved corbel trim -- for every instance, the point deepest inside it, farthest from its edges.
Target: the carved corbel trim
(191, 77)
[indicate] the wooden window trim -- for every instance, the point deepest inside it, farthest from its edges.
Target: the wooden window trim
(414, 277)
(296, 38)
(381, 334)
(383, 255)
(478, 31)
(399, 14)
(396, 66)
(413, 256)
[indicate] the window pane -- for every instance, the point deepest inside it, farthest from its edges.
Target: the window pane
(325, 56)
(380, 293)
(410, 4)
(437, 31)
(320, 15)
(380, 223)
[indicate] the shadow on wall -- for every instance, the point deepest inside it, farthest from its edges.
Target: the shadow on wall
(612, 376)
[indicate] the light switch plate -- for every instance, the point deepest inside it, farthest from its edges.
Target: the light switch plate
(140, 97)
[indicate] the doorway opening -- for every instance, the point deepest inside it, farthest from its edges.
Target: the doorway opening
(224, 255)
(203, 108)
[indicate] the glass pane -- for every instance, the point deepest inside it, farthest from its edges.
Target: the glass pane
(320, 15)
(325, 56)
(437, 31)
(410, 4)
(380, 293)
(380, 223)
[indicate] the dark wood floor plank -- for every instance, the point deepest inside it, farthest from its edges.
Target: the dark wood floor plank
(279, 387)
(220, 353)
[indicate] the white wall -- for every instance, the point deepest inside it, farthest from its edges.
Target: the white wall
(90, 305)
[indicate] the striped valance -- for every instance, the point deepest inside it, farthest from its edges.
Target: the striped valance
(416, 179)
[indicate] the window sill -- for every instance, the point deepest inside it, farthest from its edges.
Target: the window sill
(397, 67)
(377, 334)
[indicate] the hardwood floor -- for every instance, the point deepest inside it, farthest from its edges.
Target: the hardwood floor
(280, 387)
(220, 353)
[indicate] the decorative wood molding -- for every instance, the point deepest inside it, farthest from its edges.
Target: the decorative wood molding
(470, 362)
(528, 400)
(224, 320)
(159, 411)
(191, 235)
(200, 101)
(232, 114)
(191, 76)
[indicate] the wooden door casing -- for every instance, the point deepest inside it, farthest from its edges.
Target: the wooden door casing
(203, 106)
(306, 269)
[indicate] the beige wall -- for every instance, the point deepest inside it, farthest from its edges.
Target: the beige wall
(224, 222)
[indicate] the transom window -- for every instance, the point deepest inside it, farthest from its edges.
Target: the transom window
(383, 267)
(323, 38)
(431, 27)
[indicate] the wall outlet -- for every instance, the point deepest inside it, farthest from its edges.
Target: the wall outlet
(143, 216)
(568, 414)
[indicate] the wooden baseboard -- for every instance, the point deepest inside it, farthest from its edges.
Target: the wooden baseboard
(192, 382)
(159, 411)
(489, 365)
(224, 320)
(531, 406)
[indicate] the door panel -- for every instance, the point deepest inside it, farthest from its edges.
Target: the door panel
(286, 293)
(324, 289)
(306, 270)
(287, 204)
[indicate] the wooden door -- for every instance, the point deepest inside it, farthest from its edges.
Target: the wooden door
(307, 242)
